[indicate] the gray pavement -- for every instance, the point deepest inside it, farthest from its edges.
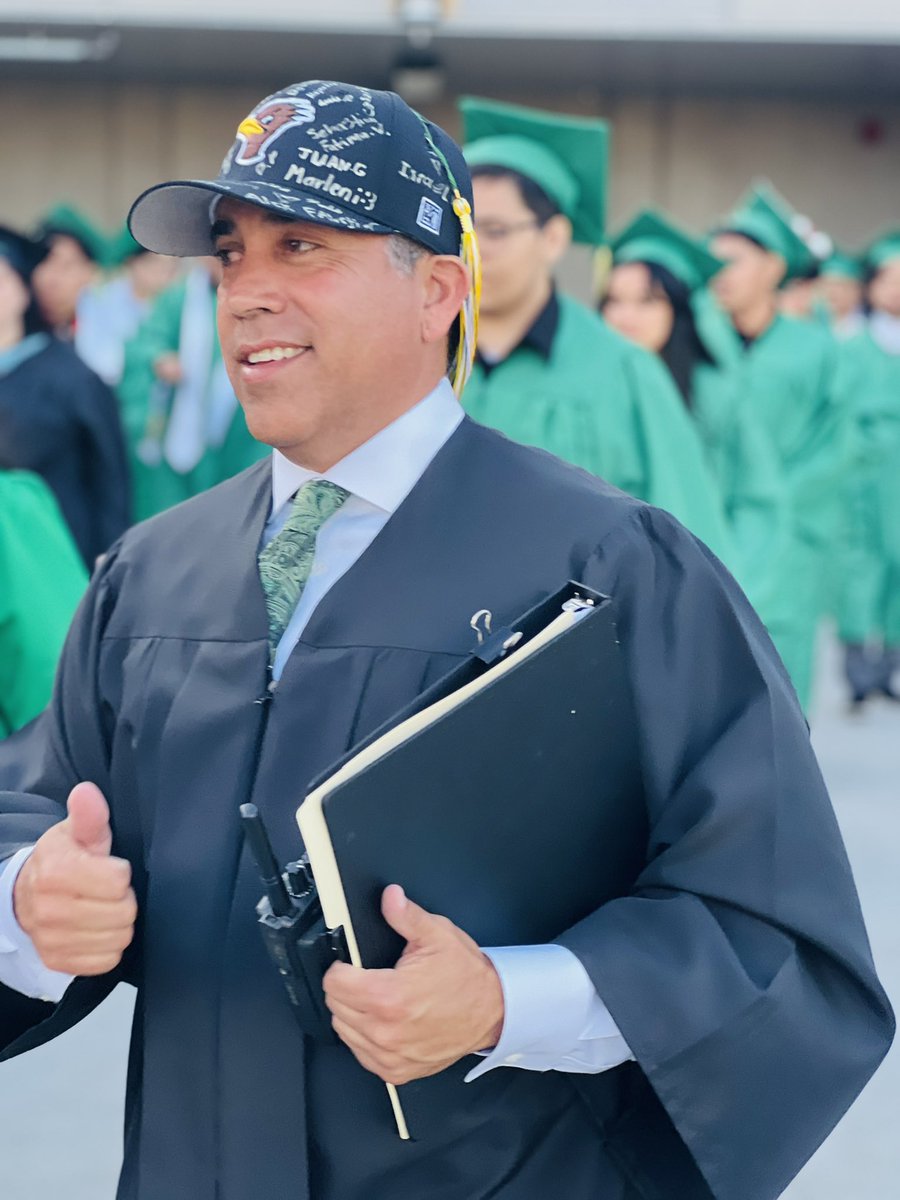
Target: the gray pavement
(60, 1106)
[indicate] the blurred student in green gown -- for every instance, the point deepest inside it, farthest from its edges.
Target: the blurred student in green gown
(656, 270)
(110, 314)
(185, 428)
(550, 372)
(869, 613)
(785, 370)
(41, 581)
(841, 294)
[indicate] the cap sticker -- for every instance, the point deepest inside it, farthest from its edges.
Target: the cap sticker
(430, 215)
(268, 121)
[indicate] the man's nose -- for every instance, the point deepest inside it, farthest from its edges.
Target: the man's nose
(250, 286)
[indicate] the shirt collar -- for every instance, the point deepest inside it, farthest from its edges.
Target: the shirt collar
(383, 470)
(539, 336)
(30, 345)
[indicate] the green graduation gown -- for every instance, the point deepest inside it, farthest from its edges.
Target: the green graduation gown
(869, 605)
(788, 377)
(609, 406)
(746, 466)
(158, 486)
(41, 581)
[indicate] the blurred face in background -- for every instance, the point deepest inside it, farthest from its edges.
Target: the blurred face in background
(636, 306)
(14, 301)
(797, 298)
(884, 290)
(518, 254)
(750, 275)
(61, 278)
(150, 274)
(842, 296)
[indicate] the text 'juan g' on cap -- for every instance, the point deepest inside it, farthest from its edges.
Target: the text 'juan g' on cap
(767, 219)
(566, 156)
(653, 238)
(328, 153)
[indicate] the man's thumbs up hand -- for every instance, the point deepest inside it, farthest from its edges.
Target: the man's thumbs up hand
(88, 819)
(72, 897)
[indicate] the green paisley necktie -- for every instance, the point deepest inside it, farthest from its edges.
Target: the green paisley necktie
(285, 564)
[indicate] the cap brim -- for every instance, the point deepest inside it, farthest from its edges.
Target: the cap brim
(176, 218)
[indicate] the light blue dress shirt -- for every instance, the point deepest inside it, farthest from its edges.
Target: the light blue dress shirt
(554, 1019)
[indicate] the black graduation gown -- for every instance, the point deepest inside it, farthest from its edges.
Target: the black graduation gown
(738, 971)
(60, 420)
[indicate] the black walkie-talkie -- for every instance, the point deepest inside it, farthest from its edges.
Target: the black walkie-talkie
(292, 926)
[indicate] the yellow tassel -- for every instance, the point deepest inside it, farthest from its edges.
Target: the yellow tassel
(468, 317)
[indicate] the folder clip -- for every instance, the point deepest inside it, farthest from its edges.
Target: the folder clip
(492, 646)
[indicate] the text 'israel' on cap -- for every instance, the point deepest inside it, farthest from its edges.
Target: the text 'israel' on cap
(566, 156)
(653, 238)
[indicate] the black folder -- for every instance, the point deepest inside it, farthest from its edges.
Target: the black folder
(507, 798)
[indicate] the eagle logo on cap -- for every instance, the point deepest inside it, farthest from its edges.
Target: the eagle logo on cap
(269, 121)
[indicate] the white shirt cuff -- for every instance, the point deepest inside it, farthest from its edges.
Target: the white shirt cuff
(21, 967)
(554, 1020)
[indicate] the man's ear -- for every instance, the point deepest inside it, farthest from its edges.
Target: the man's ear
(556, 238)
(446, 285)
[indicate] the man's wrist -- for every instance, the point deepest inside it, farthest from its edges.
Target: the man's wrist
(496, 1007)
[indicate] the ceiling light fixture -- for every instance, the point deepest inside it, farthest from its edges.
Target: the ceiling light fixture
(44, 47)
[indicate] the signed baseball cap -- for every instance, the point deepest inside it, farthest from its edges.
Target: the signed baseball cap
(325, 152)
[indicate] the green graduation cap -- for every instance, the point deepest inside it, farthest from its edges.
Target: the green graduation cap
(566, 156)
(884, 250)
(847, 266)
(121, 247)
(653, 238)
(67, 219)
(766, 218)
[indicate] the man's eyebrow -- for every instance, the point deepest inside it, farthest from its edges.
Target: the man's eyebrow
(222, 227)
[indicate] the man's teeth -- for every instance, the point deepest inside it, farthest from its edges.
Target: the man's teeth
(275, 354)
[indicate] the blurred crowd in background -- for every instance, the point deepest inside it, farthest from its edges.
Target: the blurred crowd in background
(745, 377)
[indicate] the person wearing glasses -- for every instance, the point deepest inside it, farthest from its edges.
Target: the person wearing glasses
(549, 371)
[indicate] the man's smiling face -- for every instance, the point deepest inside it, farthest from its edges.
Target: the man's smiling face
(321, 334)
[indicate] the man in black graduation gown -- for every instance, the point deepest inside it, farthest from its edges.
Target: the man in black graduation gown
(698, 1037)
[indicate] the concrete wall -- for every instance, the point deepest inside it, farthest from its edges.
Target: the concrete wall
(100, 145)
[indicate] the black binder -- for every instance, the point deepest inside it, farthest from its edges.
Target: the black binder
(507, 798)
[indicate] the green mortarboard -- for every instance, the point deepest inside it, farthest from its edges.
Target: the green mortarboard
(884, 250)
(652, 238)
(565, 156)
(764, 217)
(121, 247)
(66, 219)
(848, 266)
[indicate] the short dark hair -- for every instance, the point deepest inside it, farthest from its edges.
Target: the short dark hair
(533, 195)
